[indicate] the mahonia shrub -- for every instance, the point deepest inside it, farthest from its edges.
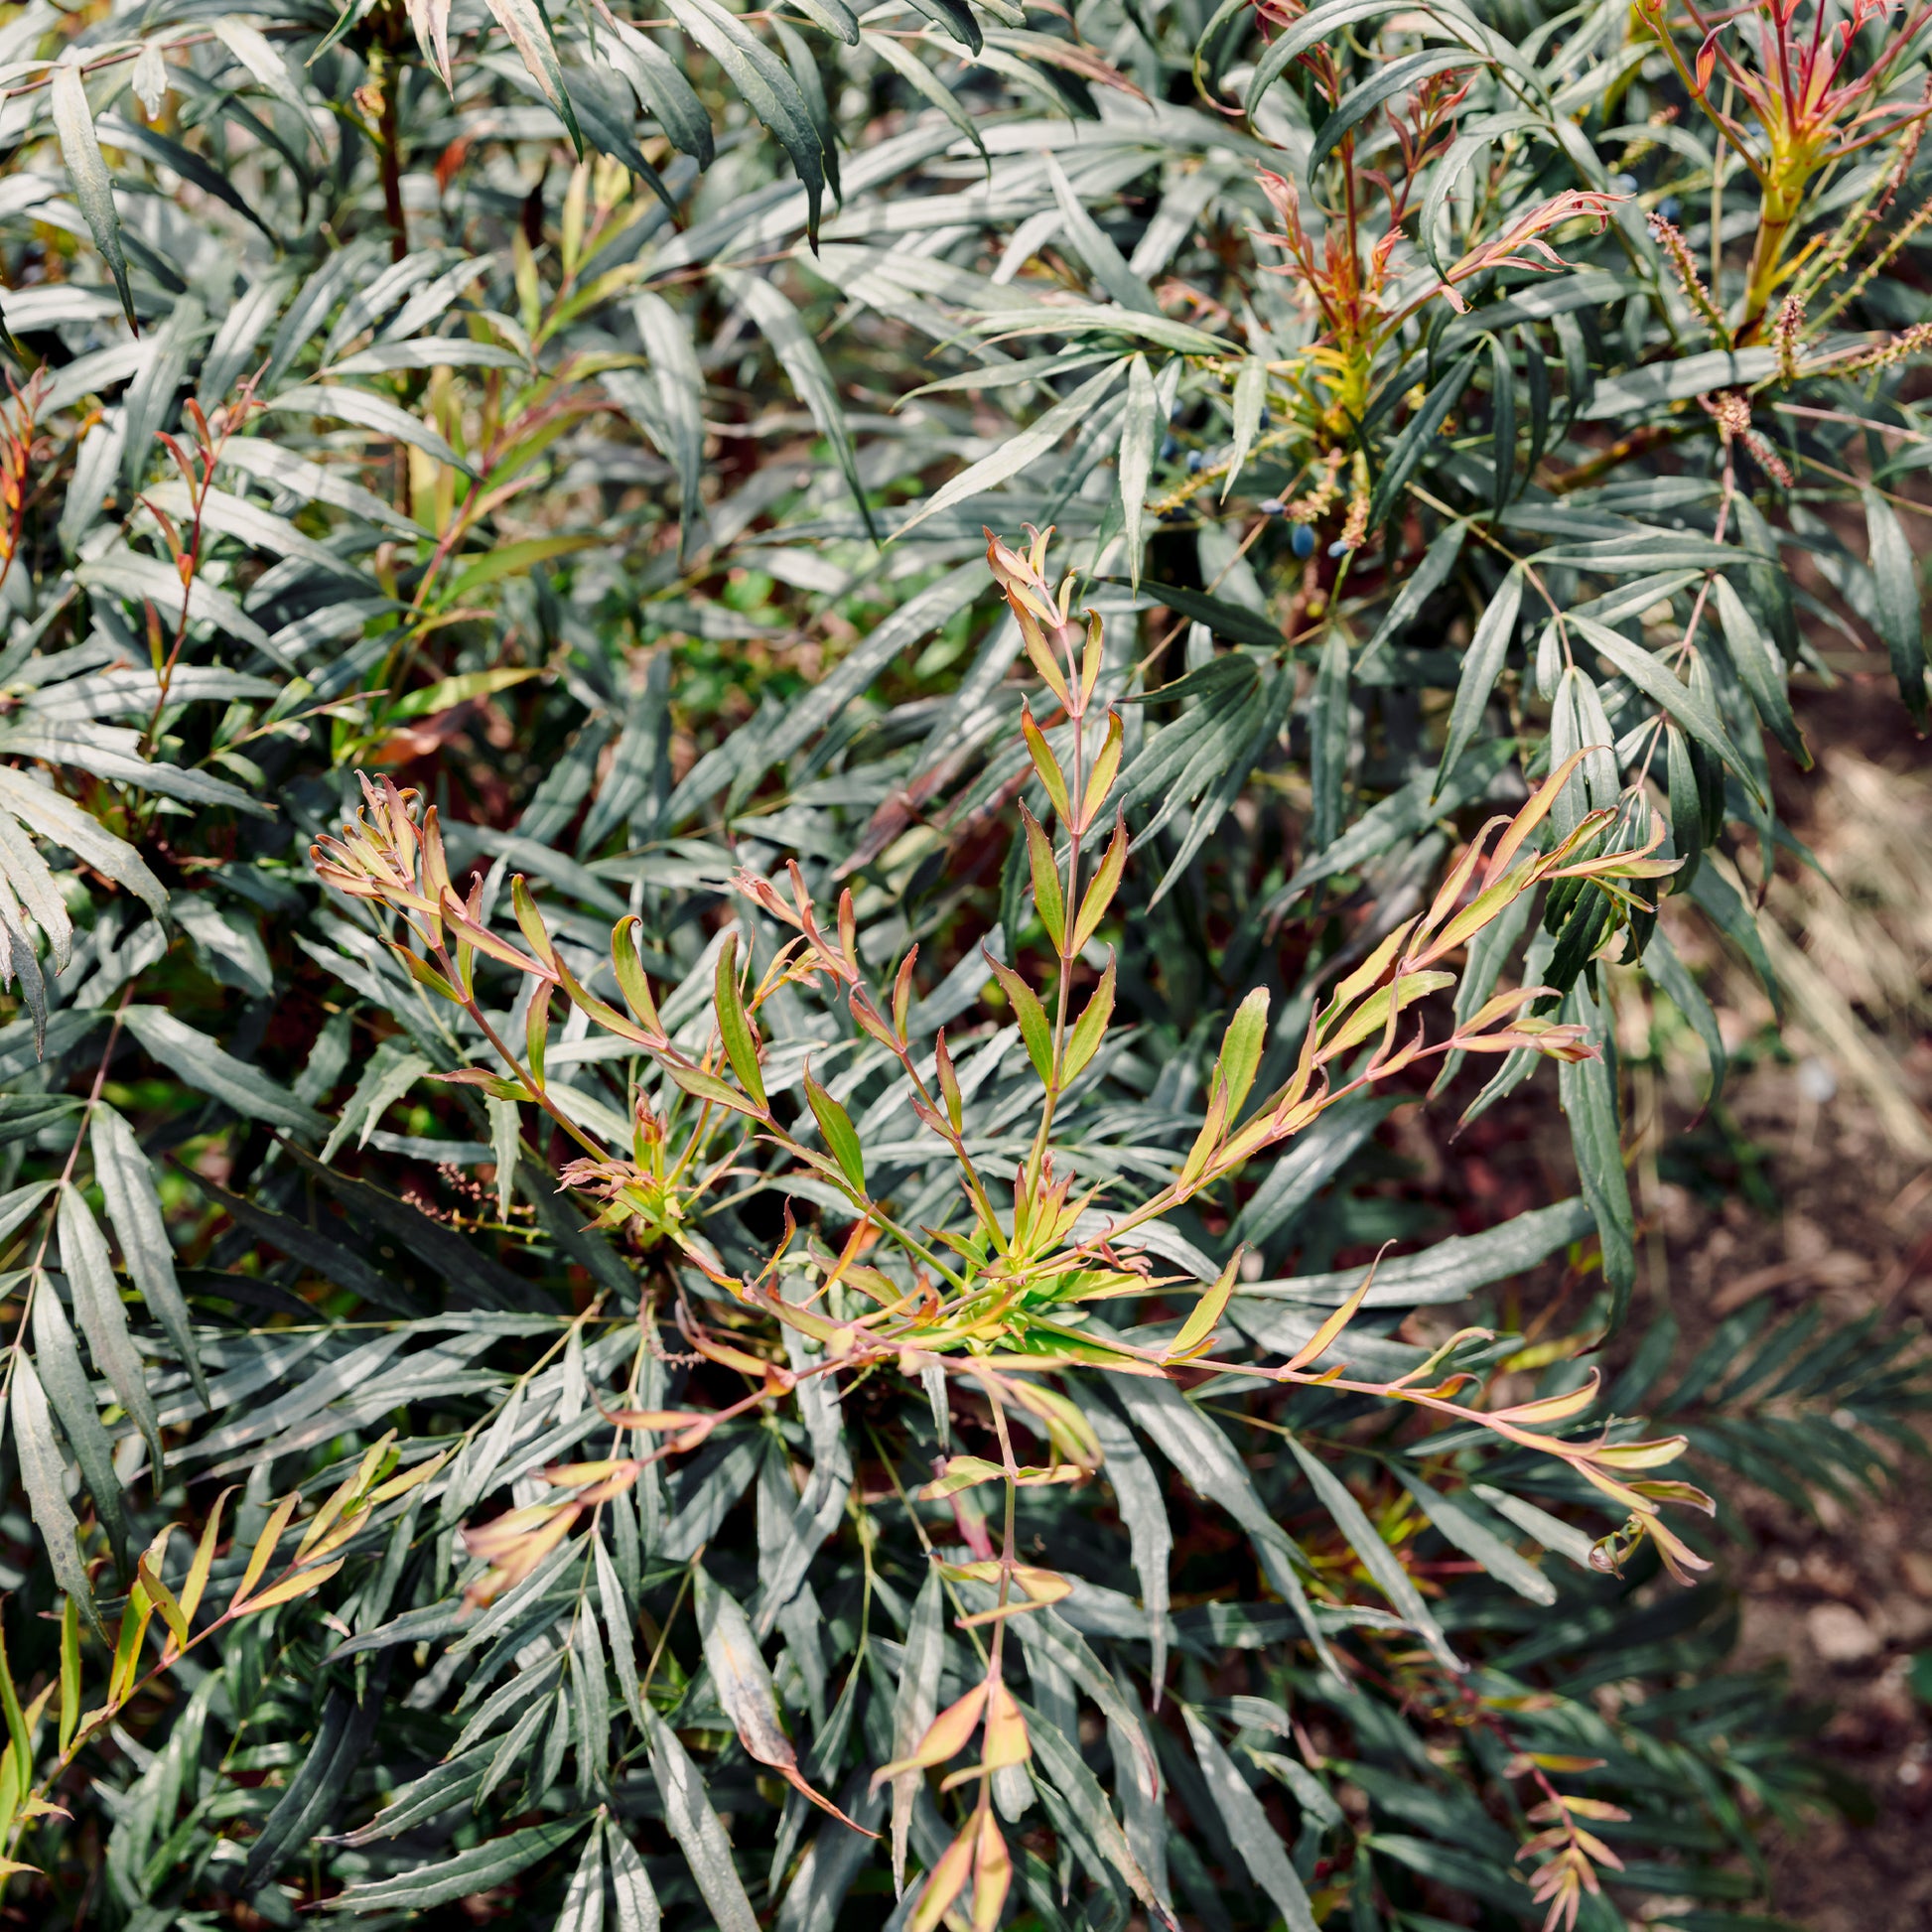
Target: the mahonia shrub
(693, 1219)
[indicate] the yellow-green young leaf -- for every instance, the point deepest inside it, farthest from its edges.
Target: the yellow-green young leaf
(1370, 971)
(1374, 1013)
(1200, 1325)
(1035, 1027)
(1100, 892)
(606, 1016)
(1555, 1408)
(536, 1032)
(1323, 1339)
(1100, 780)
(703, 1086)
(961, 1472)
(449, 692)
(629, 971)
(1241, 1047)
(1006, 1730)
(530, 923)
(127, 1645)
(945, 1882)
(1092, 654)
(289, 1588)
(735, 1024)
(836, 1131)
(1640, 1456)
(69, 1671)
(264, 1549)
(345, 1492)
(197, 1570)
(903, 990)
(164, 1601)
(1091, 1027)
(1486, 906)
(22, 1747)
(992, 1861)
(1213, 1126)
(949, 1087)
(1047, 880)
(424, 974)
(1045, 763)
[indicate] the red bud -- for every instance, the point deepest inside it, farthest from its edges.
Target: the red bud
(1707, 62)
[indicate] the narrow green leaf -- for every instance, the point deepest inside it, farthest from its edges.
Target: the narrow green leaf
(1655, 682)
(630, 1889)
(689, 1818)
(1757, 669)
(103, 1320)
(1419, 433)
(1241, 1050)
(739, 1673)
(1733, 917)
(1201, 1452)
(735, 1024)
(1484, 658)
(1035, 1027)
(1083, 1041)
(1140, 431)
(1390, 82)
(799, 355)
(1669, 974)
(1249, 1829)
(1144, 1509)
(1587, 1090)
(527, 24)
(64, 823)
(371, 412)
(134, 1209)
(1502, 435)
(769, 90)
(64, 1378)
(836, 1131)
(1250, 394)
(1479, 1541)
(918, 74)
(1895, 580)
(915, 1704)
(44, 1473)
(194, 1058)
(1329, 736)
(73, 124)
(1381, 1563)
(491, 1863)
(1016, 451)
(583, 1909)
(675, 419)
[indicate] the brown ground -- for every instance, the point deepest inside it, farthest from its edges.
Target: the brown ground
(1842, 1598)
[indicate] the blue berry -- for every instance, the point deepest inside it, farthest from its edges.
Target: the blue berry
(1169, 449)
(1624, 184)
(1337, 548)
(1267, 418)
(1302, 541)
(1270, 508)
(1194, 462)
(1671, 209)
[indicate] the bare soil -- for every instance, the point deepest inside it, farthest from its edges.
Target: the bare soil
(1833, 1209)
